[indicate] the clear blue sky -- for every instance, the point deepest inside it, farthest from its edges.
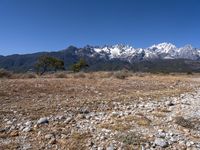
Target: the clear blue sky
(28, 26)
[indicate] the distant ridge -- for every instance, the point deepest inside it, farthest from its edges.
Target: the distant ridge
(154, 58)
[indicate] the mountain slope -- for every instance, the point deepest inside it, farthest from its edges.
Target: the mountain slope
(115, 57)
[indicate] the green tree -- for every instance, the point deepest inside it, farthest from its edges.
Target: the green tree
(81, 64)
(46, 63)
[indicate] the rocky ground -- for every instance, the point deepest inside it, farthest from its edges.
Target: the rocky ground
(98, 112)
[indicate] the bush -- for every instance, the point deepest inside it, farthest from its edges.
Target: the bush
(5, 74)
(121, 74)
(81, 64)
(189, 73)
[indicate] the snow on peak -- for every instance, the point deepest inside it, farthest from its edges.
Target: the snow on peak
(160, 51)
(164, 46)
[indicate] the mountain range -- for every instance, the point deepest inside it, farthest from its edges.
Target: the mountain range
(160, 57)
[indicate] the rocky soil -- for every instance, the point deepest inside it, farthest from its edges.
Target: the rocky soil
(149, 112)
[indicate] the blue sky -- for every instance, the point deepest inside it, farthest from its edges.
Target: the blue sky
(28, 26)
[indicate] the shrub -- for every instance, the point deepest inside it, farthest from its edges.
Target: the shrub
(5, 74)
(132, 140)
(121, 74)
(189, 73)
(81, 64)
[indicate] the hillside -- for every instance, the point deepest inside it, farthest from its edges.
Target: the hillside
(161, 57)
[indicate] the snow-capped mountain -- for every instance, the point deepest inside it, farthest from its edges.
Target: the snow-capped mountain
(160, 57)
(159, 51)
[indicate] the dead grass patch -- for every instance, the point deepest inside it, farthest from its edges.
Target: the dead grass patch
(61, 75)
(121, 74)
(139, 119)
(186, 123)
(117, 126)
(77, 141)
(131, 140)
(10, 146)
(79, 75)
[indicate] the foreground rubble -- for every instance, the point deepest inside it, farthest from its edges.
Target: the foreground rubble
(100, 119)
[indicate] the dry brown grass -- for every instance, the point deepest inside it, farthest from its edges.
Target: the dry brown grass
(117, 126)
(138, 119)
(76, 141)
(61, 75)
(184, 122)
(10, 146)
(131, 140)
(41, 96)
(24, 76)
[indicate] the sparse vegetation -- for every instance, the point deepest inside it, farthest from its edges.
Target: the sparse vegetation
(132, 140)
(24, 76)
(80, 65)
(5, 74)
(121, 74)
(115, 110)
(61, 75)
(184, 122)
(46, 63)
(79, 75)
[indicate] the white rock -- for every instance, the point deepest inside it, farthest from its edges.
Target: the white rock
(111, 147)
(42, 121)
(161, 142)
(28, 123)
(27, 129)
(48, 136)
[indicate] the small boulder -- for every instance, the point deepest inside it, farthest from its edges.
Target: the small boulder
(43, 121)
(161, 142)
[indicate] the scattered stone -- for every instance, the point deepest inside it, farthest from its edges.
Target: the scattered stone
(28, 123)
(14, 133)
(48, 136)
(52, 141)
(9, 122)
(43, 121)
(111, 147)
(27, 129)
(161, 142)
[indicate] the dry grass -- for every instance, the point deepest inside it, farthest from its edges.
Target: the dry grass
(184, 122)
(132, 141)
(79, 75)
(24, 76)
(77, 141)
(117, 126)
(140, 120)
(40, 96)
(10, 146)
(61, 75)
(121, 74)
